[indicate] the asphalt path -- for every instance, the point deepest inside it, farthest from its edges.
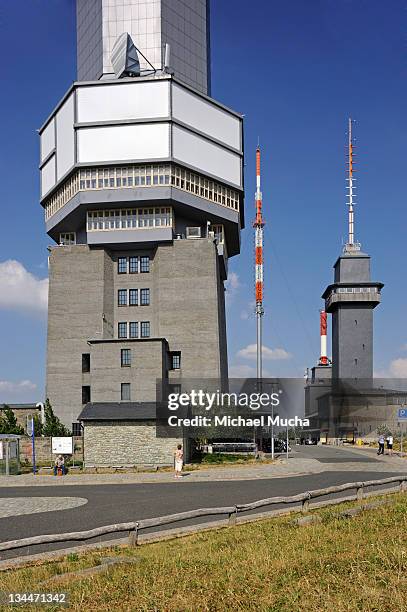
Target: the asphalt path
(117, 503)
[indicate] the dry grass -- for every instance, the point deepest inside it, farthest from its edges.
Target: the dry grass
(274, 566)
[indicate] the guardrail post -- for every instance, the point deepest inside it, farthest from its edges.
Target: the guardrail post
(403, 485)
(305, 503)
(359, 493)
(232, 517)
(133, 537)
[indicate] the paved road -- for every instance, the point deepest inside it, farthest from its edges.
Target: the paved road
(116, 503)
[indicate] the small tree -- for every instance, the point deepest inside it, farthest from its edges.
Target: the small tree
(383, 430)
(8, 422)
(38, 426)
(53, 426)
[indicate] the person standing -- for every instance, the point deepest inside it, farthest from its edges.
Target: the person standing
(178, 461)
(390, 444)
(381, 445)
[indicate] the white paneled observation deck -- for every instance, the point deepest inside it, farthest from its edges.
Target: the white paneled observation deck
(140, 120)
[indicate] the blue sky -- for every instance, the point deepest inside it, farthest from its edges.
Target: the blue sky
(297, 70)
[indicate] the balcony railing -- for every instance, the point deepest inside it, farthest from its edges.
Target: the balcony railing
(146, 175)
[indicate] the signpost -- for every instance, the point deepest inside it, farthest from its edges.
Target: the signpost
(401, 416)
(31, 432)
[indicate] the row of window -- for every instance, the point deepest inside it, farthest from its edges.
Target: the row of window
(132, 329)
(125, 393)
(356, 290)
(125, 354)
(133, 265)
(125, 357)
(130, 297)
(149, 175)
(129, 218)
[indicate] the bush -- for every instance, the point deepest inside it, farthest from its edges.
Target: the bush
(224, 458)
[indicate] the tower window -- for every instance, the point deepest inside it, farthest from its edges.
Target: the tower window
(133, 297)
(85, 394)
(67, 239)
(122, 265)
(175, 360)
(145, 264)
(85, 362)
(125, 358)
(133, 265)
(122, 330)
(133, 329)
(145, 297)
(125, 394)
(122, 297)
(145, 329)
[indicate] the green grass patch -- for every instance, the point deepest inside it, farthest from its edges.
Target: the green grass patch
(271, 565)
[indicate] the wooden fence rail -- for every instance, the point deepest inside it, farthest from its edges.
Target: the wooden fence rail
(231, 511)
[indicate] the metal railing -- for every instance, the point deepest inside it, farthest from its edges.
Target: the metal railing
(140, 176)
(232, 512)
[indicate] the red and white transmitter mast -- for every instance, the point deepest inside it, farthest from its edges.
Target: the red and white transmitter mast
(258, 232)
(351, 245)
(323, 359)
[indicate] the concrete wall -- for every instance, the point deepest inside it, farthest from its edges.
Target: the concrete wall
(80, 293)
(190, 306)
(117, 443)
(148, 360)
(352, 269)
(352, 341)
(186, 308)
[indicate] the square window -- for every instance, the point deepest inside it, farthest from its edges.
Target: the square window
(125, 358)
(122, 265)
(145, 329)
(133, 297)
(133, 329)
(133, 265)
(122, 297)
(125, 393)
(122, 330)
(145, 264)
(145, 297)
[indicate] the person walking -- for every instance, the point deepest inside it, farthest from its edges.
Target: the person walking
(381, 445)
(178, 461)
(389, 444)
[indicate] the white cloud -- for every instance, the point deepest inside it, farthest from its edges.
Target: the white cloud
(232, 286)
(398, 368)
(250, 352)
(233, 281)
(8, 386)
(21, 290)
(245, 371)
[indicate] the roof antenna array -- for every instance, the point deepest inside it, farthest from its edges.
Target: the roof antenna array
(125, 61)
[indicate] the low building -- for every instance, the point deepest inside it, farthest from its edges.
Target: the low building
(124, 434)
(22, 411)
